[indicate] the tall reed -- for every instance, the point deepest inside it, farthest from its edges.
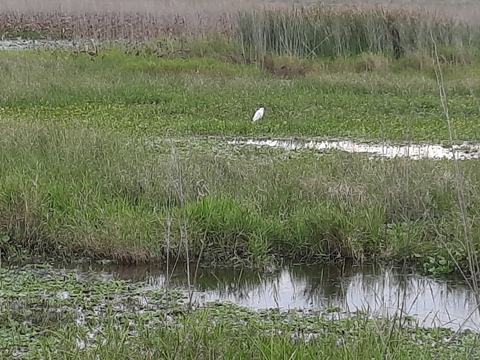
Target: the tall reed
(344, 31)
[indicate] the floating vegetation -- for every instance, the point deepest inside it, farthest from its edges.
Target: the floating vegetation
(36, 301)
(49, 312)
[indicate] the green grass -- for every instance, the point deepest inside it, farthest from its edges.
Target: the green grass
(63, 314)
(196, 338)
(326, 31)
(206, 96)
(102, 158)
(67, 191)
(83, 178)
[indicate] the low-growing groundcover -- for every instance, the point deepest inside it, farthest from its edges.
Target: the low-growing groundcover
(150, 96)
(63, 314)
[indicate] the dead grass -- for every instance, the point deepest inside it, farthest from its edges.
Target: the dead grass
(285, 67)
(114, 25)
(153, 7)
(371, 62)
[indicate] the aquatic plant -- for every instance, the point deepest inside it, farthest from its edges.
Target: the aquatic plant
(51, 312)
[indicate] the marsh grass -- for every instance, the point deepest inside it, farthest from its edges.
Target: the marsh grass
(87, 170)
(69, 192)
(149, 96)
(302, 30)
(330, 32)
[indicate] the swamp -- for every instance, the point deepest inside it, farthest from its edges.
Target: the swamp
(144, 215)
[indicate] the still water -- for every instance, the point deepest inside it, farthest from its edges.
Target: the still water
(377, 290)
(464, 151)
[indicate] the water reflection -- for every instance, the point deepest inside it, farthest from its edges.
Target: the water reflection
(412, 151)
(377, 290)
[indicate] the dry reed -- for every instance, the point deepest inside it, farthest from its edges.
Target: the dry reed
(112, 25)
(118, 19)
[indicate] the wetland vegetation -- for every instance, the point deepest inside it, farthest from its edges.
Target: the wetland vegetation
(54, 313)
(109, 158)
(116, 150)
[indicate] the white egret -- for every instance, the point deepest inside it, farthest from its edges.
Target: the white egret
(258, 114)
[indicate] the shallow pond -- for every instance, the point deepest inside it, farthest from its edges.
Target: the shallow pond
(413, 151)
(99, 306)
(339, 290)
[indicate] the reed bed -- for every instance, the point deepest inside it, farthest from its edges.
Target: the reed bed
(320, 30)
(112, 25)
(343, 31)
(119, 19)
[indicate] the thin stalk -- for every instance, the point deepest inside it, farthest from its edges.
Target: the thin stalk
(184, 230)
(472, 255)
